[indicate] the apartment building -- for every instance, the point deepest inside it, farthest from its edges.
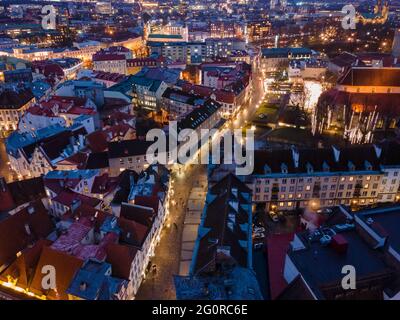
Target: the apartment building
(186, 52)
(356, 175)
(13, 104)
(312, 261)
(272, 58)
(128, 154)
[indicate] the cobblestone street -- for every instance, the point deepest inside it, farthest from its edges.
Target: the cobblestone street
(160, 285)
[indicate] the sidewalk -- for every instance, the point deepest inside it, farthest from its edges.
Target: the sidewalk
(192, 220)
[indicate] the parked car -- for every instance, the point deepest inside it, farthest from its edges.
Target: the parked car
(259, 229)
(325, 211)
(259, 235)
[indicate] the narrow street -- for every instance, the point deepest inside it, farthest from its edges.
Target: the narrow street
(160, 285)
(4, 167)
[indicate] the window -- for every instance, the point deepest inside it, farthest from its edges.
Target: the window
(308, 188)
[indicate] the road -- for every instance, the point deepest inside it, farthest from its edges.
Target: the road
(4, 167)
(159, 285)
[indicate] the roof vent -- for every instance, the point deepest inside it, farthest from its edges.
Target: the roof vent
(27, 229)
(83, 286)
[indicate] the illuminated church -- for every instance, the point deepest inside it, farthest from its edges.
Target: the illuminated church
(378, 16)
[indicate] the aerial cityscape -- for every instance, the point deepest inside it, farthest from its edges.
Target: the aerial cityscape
(200, 150)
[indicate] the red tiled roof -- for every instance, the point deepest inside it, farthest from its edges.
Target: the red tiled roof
(120, 257)
(66, 105)
(73, 236)
(67, 198)
(66, 266)
(277, 246)
(38, 110)
(22, 268)
(220, 95)
(384, 103)
(133, 233)
(80, 111)
(107, 57)
(87, 211)
(23, 228)
(148, 201)
(104, 184)
(79, 159)
(109, 76)
(6, 198)
(97, 141)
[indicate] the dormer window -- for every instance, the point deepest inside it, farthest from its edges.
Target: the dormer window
(267, 169)
(325, 167)
(368, 165)
(309, 168)
(284, 168)
(351, 166)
